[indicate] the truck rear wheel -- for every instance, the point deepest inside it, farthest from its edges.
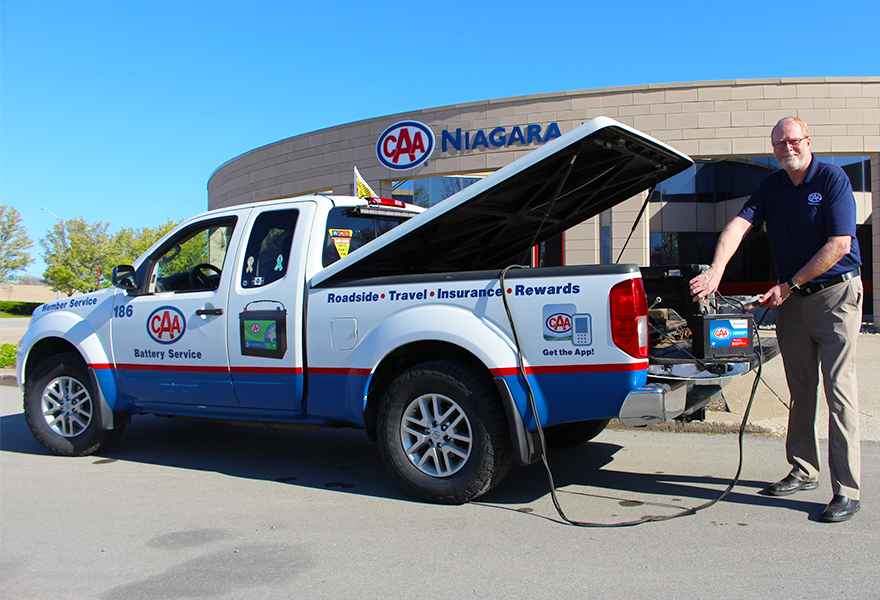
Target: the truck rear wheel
(61, 408)
(568, 435)
(442, 433)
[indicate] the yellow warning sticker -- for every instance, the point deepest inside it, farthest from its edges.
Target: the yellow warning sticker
(343, 244)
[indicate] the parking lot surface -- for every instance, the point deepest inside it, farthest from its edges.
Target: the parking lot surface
(192, 510)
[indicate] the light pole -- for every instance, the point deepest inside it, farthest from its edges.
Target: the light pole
(51, 213)
(63, 238)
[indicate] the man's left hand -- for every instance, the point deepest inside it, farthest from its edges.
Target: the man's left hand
(776, 295)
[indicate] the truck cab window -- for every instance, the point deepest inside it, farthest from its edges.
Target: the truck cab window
(268, 248)
(348, 230)
(193, 261)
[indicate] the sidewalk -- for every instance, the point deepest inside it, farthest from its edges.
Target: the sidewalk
(769, 413)
(11, 332)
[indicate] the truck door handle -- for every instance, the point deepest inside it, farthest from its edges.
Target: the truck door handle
(209, 312)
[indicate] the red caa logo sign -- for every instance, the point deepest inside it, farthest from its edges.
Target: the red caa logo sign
(405, 145)
(558, 323)
(166, 325)
(722, 333)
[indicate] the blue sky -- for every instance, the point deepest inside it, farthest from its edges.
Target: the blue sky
(119, 111)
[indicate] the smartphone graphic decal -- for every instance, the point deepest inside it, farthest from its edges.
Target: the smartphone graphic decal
(582, 330)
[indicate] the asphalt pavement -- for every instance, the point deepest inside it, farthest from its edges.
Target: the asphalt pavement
(209, 511)
(12, 329)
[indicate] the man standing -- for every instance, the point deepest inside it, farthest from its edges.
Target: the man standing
(810, 213)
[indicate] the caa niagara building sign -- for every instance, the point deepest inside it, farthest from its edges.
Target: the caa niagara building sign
(425, 156)
(405, 145)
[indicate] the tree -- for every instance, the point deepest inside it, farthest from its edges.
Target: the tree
(449, 186)
(80, 256)
(14, 243)
(665, 251)
(421, 197)
(77, 255)
(129, 243)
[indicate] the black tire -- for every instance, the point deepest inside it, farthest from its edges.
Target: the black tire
(61, 408)
(453, 459)
(568, 435)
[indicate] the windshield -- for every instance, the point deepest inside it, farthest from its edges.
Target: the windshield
(347, 230)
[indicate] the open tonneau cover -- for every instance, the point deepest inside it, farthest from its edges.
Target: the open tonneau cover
(575, 177)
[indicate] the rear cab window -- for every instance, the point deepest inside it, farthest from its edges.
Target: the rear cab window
(350, 227)
(268, 248)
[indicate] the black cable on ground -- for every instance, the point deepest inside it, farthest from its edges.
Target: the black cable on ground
(534, 408)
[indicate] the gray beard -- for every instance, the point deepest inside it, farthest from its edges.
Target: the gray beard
(794, 162)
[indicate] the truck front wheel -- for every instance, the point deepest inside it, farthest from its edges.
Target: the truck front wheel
(442, 433)
(61, 408)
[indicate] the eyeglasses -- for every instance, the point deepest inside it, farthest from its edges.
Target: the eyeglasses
(794, 143)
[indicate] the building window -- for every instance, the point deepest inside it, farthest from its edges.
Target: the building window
(858, 168)
(682, 248)
(605, 237)
(550, 253)
(714, 181)
(428, 192)
(664, 248)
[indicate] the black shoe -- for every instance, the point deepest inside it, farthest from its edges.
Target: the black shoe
(790, 485)
(840, 509)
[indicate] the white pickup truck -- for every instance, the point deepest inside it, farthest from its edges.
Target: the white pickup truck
(336, 311)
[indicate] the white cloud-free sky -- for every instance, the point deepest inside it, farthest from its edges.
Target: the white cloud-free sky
(119, 111)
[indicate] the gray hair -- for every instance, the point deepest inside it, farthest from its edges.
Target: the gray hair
(785, 120)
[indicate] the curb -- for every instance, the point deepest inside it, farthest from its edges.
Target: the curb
(7, 377)
(714, 423)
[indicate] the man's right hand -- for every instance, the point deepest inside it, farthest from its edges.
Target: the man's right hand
(705, 283)
(708, 281)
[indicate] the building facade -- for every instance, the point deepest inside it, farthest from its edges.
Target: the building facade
(724, 125)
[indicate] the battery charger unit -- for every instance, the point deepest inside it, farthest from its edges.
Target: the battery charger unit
(727, 336)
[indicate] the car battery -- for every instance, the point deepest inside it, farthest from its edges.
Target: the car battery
(725, 336)
(263, 332)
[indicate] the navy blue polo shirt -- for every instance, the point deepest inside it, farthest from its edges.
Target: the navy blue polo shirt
(801, 218)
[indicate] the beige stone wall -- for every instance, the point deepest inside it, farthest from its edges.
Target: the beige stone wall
(582, 243)
(638, 249)
(875, 220)
(706, 120)
(28, 293)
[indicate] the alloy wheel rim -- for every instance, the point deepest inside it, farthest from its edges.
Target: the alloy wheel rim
(66, 406)
(436, 435)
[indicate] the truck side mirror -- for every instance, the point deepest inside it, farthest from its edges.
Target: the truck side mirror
(124, 278)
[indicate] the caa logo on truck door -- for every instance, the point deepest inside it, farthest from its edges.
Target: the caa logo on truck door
(405, 145)
(166, 325)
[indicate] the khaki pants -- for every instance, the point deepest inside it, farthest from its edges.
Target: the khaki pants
(820, 331)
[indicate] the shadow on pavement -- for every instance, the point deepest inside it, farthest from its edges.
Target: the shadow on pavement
(587, 471)
(344, 460)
